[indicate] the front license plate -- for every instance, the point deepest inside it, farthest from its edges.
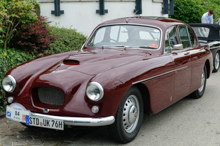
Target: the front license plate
(44, 122)
(16, 112)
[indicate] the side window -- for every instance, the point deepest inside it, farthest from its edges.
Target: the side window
(192, 37)
(184, 36)
(171, 38)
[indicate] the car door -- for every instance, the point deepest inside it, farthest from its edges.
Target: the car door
(182, 65)
(197, 52)
(171, 39)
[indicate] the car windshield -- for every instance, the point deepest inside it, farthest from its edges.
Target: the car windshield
(126, 35)
(201, 31)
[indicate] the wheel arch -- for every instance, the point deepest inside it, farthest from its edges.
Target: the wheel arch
(145, 96)
(207, 64)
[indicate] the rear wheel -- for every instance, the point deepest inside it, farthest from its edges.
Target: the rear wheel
(199, 92)
(216, 62)
(128, 118)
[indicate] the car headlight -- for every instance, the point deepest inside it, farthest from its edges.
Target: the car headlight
(94, 91)
(9, 83)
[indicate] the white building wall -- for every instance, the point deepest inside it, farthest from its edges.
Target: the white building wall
(82, 15)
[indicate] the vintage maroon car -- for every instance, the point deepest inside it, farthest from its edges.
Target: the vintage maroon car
(127, 66)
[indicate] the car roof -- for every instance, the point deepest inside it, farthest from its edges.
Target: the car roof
(214, 31)
(161, 22)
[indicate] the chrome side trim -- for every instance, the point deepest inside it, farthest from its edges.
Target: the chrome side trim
(214, 43)
(214, 47)
(78, 121)
(147, 79)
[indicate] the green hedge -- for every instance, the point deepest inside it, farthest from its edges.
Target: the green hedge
(10, 58)
(69, 40)
(191, 11)
(212, 4)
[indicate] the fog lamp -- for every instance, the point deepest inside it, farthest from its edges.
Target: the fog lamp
(95, 109)
(10, 99)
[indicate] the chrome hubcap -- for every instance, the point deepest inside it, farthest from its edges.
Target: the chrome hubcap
(202, 82)
(131, 113)
(216, 61)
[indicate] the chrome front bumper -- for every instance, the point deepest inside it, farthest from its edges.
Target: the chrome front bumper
(76, 121)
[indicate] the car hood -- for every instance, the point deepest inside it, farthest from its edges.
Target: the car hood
(85, 65)
(98, 60)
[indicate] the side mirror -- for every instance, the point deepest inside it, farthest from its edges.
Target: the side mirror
(178, 47)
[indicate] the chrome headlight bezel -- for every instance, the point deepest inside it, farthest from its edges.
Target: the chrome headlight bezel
(93, 86)
(12, 84)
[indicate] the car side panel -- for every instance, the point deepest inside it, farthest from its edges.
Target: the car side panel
(151, 72)
(182, 61)
(199, 56)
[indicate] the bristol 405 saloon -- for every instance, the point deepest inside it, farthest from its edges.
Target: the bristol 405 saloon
(127, 67)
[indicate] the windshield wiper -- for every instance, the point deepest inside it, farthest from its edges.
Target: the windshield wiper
(119, 46)
(147, 47)
(103, 46)
(122, 46)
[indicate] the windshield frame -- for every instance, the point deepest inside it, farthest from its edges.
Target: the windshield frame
(133, 24)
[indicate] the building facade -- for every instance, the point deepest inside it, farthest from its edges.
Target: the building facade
(84, 15)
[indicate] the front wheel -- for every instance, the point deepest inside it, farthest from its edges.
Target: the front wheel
(129, 117)
(216, 62)
(199, 92)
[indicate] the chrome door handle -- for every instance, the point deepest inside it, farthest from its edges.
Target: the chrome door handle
(187, 53)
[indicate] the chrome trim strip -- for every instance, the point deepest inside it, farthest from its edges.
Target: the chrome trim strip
(146, 25)
(213, 43)
(214, 47)
(147, 79)
(78, 121)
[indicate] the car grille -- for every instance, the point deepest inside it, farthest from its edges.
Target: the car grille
(51, 96)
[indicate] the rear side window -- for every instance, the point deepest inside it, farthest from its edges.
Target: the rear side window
(192, 37)
(184, 36)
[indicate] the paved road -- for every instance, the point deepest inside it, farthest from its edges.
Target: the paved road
(189, 122)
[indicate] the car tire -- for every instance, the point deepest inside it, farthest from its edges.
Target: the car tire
(199, 92)
(129, 117)
(216, 62)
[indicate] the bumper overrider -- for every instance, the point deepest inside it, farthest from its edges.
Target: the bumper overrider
(78, 121)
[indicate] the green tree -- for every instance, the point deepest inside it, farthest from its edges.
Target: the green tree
(14, 12)
(189, 11)
(212, 4)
